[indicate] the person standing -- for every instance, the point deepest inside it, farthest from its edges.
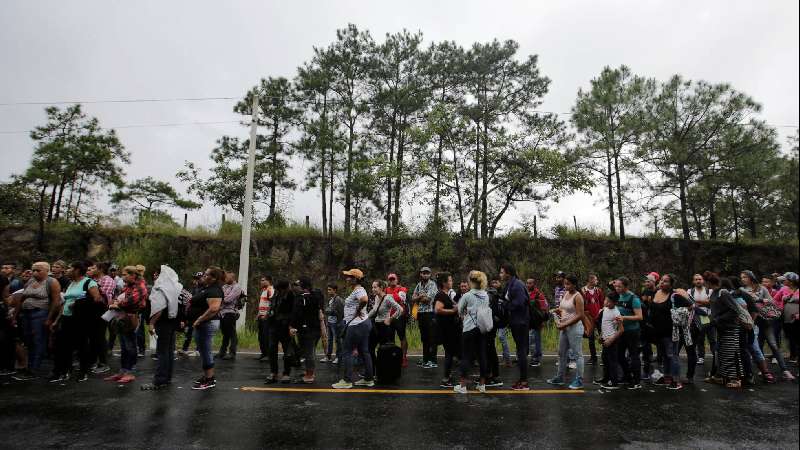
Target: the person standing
(279, 316)
(128, 304)
(495, 292)
(423, 296)
(768, 312)
(204, 315)
(516, 301)
(701, 321)
(99, 273)
(630, 309)
(538, 300)
(334, 313)
(382, 312)
(165, 316)
(610, 332)
(788, 295)
(446, 320)
(59, 269)
(400, 294)
(9, 271)
(357, 330)
(725, 317)
(593, 298)
(189, 333)
(264, 305)
(40, 300)
(307, 323)
(228, 317)
(570, 325)
(473, 346)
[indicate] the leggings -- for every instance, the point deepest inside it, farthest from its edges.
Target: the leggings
(473, 347)
(766, 333)
(425, 320)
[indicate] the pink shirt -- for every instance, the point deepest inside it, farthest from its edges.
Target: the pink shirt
(783, 294)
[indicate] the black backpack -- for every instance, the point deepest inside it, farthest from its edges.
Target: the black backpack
(241, 301)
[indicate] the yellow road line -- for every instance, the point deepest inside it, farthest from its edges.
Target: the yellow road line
(406, 391)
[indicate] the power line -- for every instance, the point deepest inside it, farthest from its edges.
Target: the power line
(123, 100)
(146, 125)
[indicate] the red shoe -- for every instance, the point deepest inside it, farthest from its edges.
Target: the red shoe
(405, 362)
(127, 378)
(114, 377)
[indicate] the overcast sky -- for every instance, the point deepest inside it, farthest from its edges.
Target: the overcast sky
(98, 50)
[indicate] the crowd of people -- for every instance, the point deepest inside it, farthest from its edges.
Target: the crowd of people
(74, 314)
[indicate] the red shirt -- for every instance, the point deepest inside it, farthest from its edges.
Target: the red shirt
(593, 301)
(536, 296)
(398, 297)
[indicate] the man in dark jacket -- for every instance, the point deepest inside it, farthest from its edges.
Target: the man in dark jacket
(307, 322)
(516, 300)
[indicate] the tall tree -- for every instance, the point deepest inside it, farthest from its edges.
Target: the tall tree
(147, 194)
(611, 119)
(278, 113)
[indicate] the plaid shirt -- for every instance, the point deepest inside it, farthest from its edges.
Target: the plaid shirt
(107, 286)
(135, 297)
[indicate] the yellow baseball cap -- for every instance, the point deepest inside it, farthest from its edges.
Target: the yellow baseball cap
(356, 273)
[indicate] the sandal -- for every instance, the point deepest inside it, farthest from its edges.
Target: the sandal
(714, 380)
(769, 378)
(733, 384)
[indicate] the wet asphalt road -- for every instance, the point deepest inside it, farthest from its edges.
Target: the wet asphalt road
(104, 415)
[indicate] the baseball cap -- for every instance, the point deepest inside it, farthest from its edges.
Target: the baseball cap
(560, 274)
(653, 276)
(791, 276)
(391, 276)
(198, 275)
(356, 273)
(425, 269)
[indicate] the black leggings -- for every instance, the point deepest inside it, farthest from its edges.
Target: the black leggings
(629, 341)
(426, 334)
(229, 337)
(521, 335)
(492, 360)
(279, 334)
(473, 347)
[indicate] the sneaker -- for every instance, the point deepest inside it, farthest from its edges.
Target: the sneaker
(494, 382)
(199, 381)
(82, 377)
(208, 383)
(271, 380)
(446, 384)
(127, 378)
(675, 386)
(58, 378)
(23, 375)
(592, 362)
(482, 388)
(154, 356)
(7, 372)
(421, 363)
(336, 361)
(262, 358)
(101, 368)
(555, 381)
(577, 383)
(342, 385)
(787, 376)
(229, 357)
(114, 377)
(140, 355)
(610, 386)
(192, 353)
(521, 386)
(535, 363)
(433, 365)
(181, 352)
(634, 387)
(774, 361)
(700, 361)
(286, 379)
(459, 389)
(427, 365)
(572, 365)
(600, 381)
(660, 382)
(364, 382)
(325, 359)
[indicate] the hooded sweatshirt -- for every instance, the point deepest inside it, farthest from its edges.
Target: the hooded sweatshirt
(468, 307)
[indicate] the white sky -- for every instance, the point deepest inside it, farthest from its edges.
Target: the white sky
(96, 50)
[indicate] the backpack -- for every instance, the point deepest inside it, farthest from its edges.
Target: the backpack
(241, 301)
(483, 318)
(538, 316)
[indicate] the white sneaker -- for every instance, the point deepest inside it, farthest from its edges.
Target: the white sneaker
(482, 388)
(363, 382)
(459, 389)
(572, 365)
(324, 359)
(342, 385)
(335, 361)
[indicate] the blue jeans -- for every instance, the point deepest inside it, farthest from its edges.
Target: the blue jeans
(502, 333)
(755, 349)
(33, 321)
(203, 337)
(766, 331)
(357, 338)
(127, 348)
(571, 339)
(536, 344)
(333, 335)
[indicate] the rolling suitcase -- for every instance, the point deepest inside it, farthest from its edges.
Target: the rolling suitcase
(388, 366)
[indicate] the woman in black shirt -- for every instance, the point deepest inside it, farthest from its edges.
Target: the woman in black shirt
(204, 315)
(446, 321)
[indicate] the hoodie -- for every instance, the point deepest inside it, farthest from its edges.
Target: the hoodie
(517, 302)
(468, 307)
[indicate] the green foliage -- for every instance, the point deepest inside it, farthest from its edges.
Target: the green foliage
(147, 193)
(19, 204)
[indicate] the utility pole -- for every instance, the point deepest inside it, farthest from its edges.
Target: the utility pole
(247, 221)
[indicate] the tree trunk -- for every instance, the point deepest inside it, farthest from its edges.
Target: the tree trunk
(611, 219)
(77, 212)
(40, 234)
(475, 203)
(697, 224)
(751, 225)
(682, 199)
(392, 136)
(69, 199)
(485, 184)
(323, 144)
(712, 217)
(458, 192)
(273, 173)
(398, 182)
(437, 193)
(60, 197)
(735, 220)
(52, 204)
(331, 187)
(619, 198)
(348, 176)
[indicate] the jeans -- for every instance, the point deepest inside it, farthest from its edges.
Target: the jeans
(309, 337)
(520, 335)
(670, 367)
(357, 339)
(426, 334)
(755, 349)
(127, 347)
(502, 334)
(629, 347)
(203, 335)
(473, 347)
(35, 333)
(691, 359)
(535, 338)
(333, 336)
(263, 336)
(766, 332)
(187, 337)
(611, 368)
(279, 334)
(571, 338)
(592, 348)
(229, 337)
(704, 332)
(165, 349)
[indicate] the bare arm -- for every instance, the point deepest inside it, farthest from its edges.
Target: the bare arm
(213, 308)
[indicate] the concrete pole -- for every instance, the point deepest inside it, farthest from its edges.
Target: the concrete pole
(247, 221)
